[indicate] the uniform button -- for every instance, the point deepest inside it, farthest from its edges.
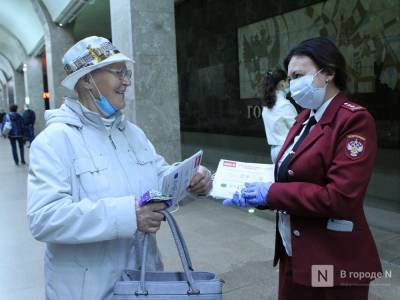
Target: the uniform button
(290, 172)
(296, 232)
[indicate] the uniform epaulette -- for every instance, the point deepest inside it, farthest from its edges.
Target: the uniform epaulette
(353, 107)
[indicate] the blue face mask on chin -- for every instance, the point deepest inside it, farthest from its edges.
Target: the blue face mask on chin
(102, 103)
(105, 107)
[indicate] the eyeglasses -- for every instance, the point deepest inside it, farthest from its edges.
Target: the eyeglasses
(121, 74)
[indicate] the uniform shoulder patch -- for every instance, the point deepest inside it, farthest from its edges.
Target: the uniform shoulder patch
(353, 107)
(355, 146)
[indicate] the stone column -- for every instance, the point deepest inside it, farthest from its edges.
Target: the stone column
(33, 75)
(4, 89)
(10, 92)
(19, 90)
(145, 31)
(6, 96)
(2, 102)
(57, 41)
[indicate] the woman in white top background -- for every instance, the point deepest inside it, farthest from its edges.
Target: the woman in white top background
(278, 113)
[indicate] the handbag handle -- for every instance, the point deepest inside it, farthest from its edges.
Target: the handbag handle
(170, 219)
(183, 255)
(182, 240)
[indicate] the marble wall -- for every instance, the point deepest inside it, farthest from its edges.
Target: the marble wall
(19, 89)
(145, 31)
(207, 52)
(367, 33)
(57, 41)
(33, 77)
(208, 62)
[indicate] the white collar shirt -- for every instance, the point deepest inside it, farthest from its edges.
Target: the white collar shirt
(284, 218)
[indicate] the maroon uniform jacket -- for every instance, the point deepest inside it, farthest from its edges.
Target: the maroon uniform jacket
(328, 178)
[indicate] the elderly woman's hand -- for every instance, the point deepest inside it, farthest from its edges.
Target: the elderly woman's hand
(148, 218)
(201, 183)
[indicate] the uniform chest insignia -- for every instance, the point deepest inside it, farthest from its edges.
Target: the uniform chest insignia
(355, 146)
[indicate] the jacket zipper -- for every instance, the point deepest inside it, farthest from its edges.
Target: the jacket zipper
(139, 162)
(84, 284)
(112, 142)
(121, 165)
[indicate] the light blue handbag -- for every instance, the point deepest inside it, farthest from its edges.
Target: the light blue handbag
(159, 285)
(7, 126)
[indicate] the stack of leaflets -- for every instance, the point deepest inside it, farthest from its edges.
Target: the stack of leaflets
(232, 175)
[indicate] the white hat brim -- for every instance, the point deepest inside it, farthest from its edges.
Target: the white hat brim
(70, 81)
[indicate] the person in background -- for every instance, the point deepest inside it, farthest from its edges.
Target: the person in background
(87, 172)
(321, 177)
(278, 113)
(16, 134)
(29, 121)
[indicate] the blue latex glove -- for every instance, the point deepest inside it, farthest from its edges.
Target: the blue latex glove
(254, 194)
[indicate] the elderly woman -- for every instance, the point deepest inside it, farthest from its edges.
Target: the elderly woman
(87, 170)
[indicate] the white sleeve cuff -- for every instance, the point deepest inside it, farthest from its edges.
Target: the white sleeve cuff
(125, 216)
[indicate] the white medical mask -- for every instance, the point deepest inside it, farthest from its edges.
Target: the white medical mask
(303, 91)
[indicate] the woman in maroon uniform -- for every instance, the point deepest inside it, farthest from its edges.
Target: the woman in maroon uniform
(323, 242)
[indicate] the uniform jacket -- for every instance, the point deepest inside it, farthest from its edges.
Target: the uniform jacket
(278, 119)
(328, 179)
(82, 186)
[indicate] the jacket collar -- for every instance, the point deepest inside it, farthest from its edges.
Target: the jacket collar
(332, 109)
(93, 118)
(317, 131)
(328, 114)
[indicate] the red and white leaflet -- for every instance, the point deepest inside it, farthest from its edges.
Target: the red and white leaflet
(232, 175)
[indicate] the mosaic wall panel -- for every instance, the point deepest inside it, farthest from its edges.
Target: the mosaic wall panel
(366, 32)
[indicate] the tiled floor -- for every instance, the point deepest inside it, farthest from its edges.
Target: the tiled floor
(231, 242)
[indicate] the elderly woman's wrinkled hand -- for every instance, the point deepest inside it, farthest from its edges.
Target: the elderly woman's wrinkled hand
(201, 183)
(148, 218)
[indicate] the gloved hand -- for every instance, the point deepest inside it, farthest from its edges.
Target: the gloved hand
(254, 194)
